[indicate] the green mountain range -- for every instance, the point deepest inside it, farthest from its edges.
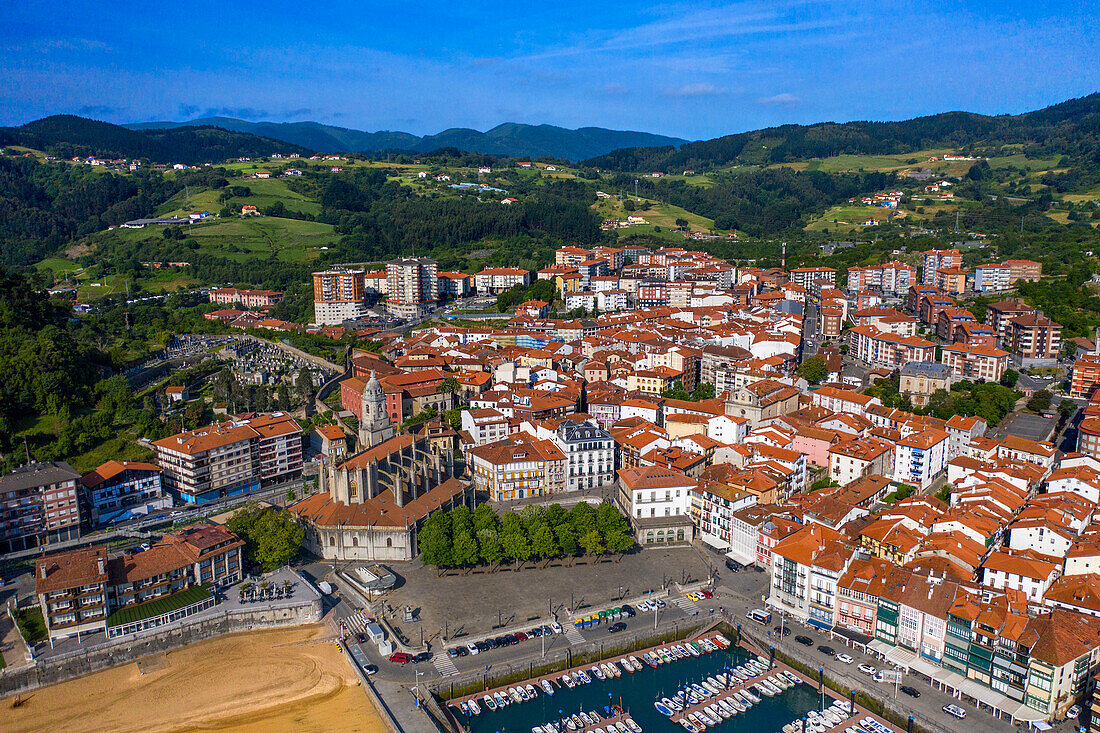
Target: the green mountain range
(510, 138)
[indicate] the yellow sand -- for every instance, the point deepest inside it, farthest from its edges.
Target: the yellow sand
(269, 681)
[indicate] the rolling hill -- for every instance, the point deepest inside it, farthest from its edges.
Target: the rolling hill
(69, 135)
(510, 138)
(1068, 128)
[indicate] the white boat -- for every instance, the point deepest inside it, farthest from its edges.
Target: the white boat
(584, 677)
(537, 729)
(793, 678)
(570, 724)
(637, 665)
(621, 727)
(567, 681)
(692, 649)
(489, 703)
(585, 719)
(750, 696)
(514, 694)
(663, 708)
(547, 687)
(634, 727)
(474, 708)
(598, 673)
(762, 689)
(699, 690)
(735, 701)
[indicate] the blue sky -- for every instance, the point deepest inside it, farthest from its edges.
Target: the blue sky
(696, 69)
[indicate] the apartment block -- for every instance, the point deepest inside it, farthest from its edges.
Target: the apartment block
(84, 591)
(934, 259)
(120, 490)
(249, 298)
(975, 361)
(339, 295)
(888, 349)
(1033, 339)
(39, 504)
(230, 458)
(412, 286)
(518, 468)
(495, 280)
(992, 277)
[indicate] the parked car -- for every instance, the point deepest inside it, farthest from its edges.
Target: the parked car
(827, 650)
(422, 657)
(371, 669)
(462, 651)
(473, 648)
(453, 652)
(707, 594)
(954, 711)
(556, 627)
(629, 610)
(400, 658)
(617, 627)
(535, 632)
(1074, 712)
(804, 640)
(643, 606)
(733, 566)
(867, 669)
(844, 658)
(911, 692)
(546, 630)
(361, 638)
(782, 630)
(511, 639)
(520, 636)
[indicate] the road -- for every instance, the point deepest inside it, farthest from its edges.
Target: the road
(809, 331)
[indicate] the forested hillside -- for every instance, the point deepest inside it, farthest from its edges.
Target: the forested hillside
(1070, 128)
(67, 136)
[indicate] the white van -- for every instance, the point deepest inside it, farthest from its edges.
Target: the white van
(760, 616)
(954, 710)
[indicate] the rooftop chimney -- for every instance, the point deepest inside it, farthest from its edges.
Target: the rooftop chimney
(100, 564)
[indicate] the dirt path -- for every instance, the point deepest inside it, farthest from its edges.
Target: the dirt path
(270, 681)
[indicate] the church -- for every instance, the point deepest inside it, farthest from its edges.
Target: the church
(372, 503)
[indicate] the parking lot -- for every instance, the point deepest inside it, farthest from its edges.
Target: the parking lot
(1024, 425)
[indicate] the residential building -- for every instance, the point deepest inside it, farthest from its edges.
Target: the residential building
(230, 458)
(454, 285)
(517, 468)
(657, 500)
(934, 259)
(1023, 270)
(806, 276)
(121, 490)
(921, 457)
(39, 504)
(1033, 338)
(495, 280)
(412, 286)
(250, 298)
(992, 277)
(804, 573)
(853, 459)
(998, 314)
(338, 295)
(974, 362)
(1085, 376)
(887, 349)
(80, 591)
(589, 454)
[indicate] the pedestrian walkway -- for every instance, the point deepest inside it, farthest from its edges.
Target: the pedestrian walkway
(573, 635)
(444, 664)
(686, 605)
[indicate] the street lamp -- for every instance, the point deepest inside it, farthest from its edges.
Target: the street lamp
(416, 687)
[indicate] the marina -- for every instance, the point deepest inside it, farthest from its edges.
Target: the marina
(692, 685)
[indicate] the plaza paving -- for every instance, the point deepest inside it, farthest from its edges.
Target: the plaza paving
(467, 605)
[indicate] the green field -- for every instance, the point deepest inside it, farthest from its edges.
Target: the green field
(656, 214)
(291, 240)
(265, 192)
(847, 217)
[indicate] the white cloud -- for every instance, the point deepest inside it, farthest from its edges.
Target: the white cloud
(781, 100)
(699, 89)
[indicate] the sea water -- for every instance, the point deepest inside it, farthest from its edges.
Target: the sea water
(637, 692)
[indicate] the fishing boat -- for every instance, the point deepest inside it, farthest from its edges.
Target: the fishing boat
(689, 726)
(737, 704)
(598, 673)
(547, 687)
(621, 727)
(699, 690)
(587, 721)
(584, 677)
(728, 706)
(634, 727)
(722, 640)
(650, 659)
(750, 695)
(717, 711)
(634, 662)
(474, 708)
(567, 681)
(662, 708)
(532, 693)
(569, 724)
(712, 689)
(489, 703)
(537, 729)
(715, 684)
(705, 719)
(614, 669)
(502, 699)
(793, 677)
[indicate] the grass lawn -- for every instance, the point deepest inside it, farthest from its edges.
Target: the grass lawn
(158, 606)
(31, 625)
(120, 448)
(1091, 195)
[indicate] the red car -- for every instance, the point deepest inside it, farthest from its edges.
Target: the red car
(400, 658)
(521, 636)
(707, 594)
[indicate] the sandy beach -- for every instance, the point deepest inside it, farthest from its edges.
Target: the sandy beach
(279, 680)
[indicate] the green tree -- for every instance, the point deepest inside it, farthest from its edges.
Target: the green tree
(516, 545)
(1039, 401)
(1009, 378)
(271, 537)
(304, 385)
(489, 547)
(814, 369)
(485, 518)
(461, 521)
(567, 539)
(465, 550)
(450, 386)
(543, 543)
(435, 540)
(592, 543)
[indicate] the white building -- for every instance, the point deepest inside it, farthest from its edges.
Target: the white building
(919, 458)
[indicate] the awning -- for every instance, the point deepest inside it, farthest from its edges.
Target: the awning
(715, 542)
(924, 667)
(1041, 724)
(1033, 716)
(824, 626)
(852, 635)
(901, 657)
(879, 647)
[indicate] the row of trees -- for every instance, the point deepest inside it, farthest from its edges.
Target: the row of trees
(462, 539)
